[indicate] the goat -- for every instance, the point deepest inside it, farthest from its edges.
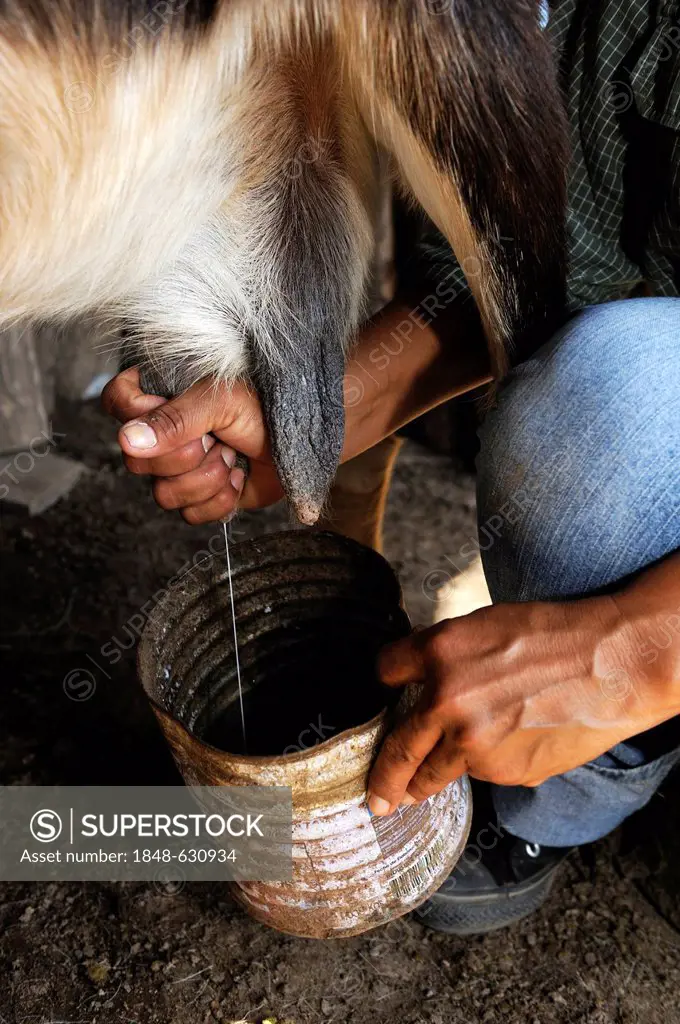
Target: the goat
(205, 170)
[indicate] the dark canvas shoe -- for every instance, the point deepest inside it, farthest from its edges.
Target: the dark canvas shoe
(498, 880)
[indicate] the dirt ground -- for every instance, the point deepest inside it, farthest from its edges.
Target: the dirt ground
(605, 949)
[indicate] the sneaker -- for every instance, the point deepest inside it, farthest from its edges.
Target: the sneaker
(498, 880)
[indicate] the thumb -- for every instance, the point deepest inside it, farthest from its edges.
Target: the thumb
(231, 411)
(402, 662)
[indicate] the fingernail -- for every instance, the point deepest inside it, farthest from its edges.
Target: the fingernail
(377, 805)
(408, 800)
(140, 435)
(237, 478)
(207, 441)
(229, 456)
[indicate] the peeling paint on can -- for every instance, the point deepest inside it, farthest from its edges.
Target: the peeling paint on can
(351, 871)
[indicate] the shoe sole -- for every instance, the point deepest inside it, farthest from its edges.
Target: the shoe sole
(475, 915)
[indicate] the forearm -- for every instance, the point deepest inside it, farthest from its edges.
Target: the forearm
(650, 607)
(404, 365)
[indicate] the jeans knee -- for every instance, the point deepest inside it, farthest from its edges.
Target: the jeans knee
(578, 473)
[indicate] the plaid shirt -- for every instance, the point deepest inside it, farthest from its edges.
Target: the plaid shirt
(619, 62)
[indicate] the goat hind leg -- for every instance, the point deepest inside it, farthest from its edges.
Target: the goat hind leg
(359, 494)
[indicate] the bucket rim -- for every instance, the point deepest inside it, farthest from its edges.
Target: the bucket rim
(363, 731)
(368, 731)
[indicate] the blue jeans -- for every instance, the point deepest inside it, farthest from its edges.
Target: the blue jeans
(579, 487)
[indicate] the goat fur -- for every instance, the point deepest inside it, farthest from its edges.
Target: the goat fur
(206, 173)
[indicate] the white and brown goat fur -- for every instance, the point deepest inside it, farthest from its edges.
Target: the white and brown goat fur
(206, 171)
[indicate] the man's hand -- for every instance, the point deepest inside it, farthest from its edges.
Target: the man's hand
(194, 471)
(513, 694)
(189, 444)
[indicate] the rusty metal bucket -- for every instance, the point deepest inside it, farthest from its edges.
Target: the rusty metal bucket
(312, 609)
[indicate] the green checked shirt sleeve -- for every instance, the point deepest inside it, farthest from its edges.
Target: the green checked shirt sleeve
(619, 62)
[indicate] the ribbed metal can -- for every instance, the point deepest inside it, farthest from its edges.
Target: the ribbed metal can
(303, 595)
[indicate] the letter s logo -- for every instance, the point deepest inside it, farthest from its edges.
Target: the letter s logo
(46, 826)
